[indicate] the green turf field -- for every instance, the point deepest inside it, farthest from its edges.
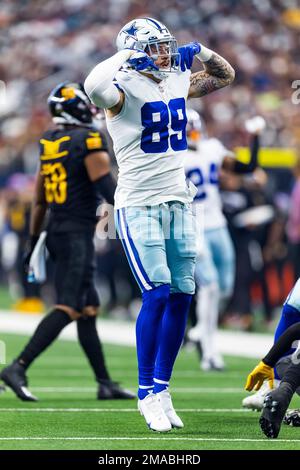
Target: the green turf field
(69, 417)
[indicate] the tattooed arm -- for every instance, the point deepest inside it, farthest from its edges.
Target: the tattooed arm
(217, 73)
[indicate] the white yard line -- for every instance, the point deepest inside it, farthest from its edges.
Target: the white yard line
(121, 410)
(219, 390)
(124, 438)
(38, 373)
(123, 333)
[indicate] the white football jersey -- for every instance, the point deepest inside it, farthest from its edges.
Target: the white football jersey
(149, 139)
(202, 168)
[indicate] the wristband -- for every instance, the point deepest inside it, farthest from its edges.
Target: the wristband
(204, 54)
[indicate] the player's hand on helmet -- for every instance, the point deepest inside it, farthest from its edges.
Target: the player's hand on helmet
(141, 61)
(187, 54)
(257, 377)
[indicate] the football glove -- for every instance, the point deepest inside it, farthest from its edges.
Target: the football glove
(255, 125)
(187, 54)
(141, 61)
(259, 374)
(28, 251)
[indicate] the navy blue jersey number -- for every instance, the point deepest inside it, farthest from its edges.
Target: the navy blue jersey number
(197, 177)
(156, 119)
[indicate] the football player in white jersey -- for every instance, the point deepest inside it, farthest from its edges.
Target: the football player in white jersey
(215, 264)
(143, 89)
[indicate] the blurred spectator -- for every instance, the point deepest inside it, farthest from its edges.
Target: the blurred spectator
(293, 224)
(18, 195)
(249, 214)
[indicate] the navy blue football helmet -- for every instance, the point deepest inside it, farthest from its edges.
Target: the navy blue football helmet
(69, 104)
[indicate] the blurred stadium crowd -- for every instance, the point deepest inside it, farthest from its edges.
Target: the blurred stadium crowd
(43, 43)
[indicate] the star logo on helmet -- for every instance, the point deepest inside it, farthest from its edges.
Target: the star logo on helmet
(131, 30)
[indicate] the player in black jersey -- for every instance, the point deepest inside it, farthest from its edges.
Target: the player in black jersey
(73, 176)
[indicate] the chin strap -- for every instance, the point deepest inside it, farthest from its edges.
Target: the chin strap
(161, 75)
(158, 74)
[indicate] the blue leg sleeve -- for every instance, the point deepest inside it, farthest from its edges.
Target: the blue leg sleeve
(289, 316)
(172, 332)
(148, 328)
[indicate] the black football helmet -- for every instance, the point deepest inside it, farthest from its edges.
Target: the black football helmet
(69, 104)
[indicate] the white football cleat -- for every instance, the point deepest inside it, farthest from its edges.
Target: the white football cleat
(156, 419)
(167, 405)
(215, 362)
(194, 334)
(256, 400)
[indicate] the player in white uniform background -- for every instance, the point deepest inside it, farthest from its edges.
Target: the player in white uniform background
(215, 263)
(143, 89)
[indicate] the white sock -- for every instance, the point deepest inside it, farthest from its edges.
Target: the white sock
(207, 311)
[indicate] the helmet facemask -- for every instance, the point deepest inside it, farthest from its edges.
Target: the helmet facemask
(164, 54)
